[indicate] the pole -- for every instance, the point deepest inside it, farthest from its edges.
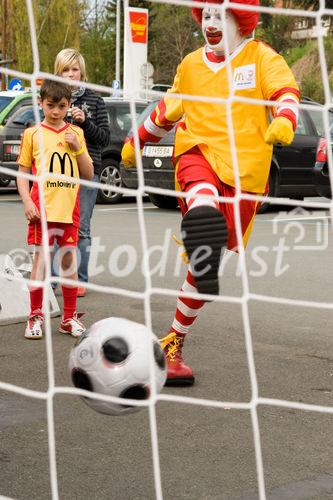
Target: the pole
(4, 41)
(11, 34)
(118, 40)
(96, 16)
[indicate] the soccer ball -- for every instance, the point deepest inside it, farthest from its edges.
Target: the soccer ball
(112, 358)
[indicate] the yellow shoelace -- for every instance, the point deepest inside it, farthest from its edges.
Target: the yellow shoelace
(172, 342)
(183, 255)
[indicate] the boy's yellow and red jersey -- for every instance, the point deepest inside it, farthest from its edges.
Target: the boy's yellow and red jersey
(257, 72)
(61, 197)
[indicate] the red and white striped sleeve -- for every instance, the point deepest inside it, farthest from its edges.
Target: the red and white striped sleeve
(278, 84)
(287, 100)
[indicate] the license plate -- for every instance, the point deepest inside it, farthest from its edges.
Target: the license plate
(159, 151)
(12, 149)
(15, 149)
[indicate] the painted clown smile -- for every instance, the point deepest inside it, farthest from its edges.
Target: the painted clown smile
(214, 37)
(219, 34)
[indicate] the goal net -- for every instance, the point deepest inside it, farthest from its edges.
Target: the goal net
(271, 318)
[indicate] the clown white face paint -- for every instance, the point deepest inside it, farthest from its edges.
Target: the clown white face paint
(214, 34)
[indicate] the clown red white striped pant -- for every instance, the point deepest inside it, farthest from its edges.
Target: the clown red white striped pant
(187, 308)
(196, 177)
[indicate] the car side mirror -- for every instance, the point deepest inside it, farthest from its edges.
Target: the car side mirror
(28, 123)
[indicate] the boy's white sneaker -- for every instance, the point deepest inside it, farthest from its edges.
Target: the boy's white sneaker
(73, 326)
(34, 330)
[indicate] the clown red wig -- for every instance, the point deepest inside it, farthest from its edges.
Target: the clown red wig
(247, 20)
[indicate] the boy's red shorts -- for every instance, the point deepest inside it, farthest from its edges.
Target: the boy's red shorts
(193, 169)
(66, 235)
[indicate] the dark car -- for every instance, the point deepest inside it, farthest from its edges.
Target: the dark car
(321, 177)
(291, 167)
(119, 121)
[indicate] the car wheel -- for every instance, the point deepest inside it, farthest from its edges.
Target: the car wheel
(272, 191)
(4, 182)
(162, 201)
(110, 175)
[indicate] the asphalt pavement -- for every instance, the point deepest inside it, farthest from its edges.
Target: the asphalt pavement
(205, 452)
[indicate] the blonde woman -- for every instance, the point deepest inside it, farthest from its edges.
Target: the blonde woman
(87, 111)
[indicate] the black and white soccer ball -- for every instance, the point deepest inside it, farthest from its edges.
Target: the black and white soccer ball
(113, 358)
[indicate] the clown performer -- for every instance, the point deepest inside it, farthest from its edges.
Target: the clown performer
(203, 153)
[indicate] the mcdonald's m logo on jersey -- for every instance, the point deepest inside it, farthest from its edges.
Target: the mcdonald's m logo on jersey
(245, 77)
(62, 162)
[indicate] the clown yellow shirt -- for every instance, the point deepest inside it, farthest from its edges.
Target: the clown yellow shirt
(61, 196)
(256, 72)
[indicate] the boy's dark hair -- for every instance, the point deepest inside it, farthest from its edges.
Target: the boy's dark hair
(55, 91)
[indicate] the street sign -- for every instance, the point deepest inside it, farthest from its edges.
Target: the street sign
(116, 87)
(116, 84)
(135, 49)
(15, 84)
(147, 70)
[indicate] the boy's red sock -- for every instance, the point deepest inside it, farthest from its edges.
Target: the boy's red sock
(70, 296)
(36, 301)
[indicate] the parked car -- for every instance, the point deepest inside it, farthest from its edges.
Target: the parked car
(119, 121)
(291, 167)
(11, 101)
(161, 87)
(321, 177)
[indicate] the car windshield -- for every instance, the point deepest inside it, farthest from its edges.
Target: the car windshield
(318, 120)
(144, 114)
(331, 126)
(123, 116)
(4, 101)
(24, 116)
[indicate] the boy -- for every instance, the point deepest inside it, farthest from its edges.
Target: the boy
(64, 153)
(203, 154)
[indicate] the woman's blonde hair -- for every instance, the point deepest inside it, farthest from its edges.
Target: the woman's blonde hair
(65, 58)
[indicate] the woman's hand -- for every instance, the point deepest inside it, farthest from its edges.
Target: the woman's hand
(78, 115)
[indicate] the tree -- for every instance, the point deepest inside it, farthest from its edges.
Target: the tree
(111, 18)
(275, 29)
(98, 44)
(172, 34)
(312, 4)
(57, 25)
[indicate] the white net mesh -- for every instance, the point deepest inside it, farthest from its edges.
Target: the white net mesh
(246, 297)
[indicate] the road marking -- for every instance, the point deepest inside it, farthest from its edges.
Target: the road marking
(291, 219)
(123, 209)
(314, 487)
